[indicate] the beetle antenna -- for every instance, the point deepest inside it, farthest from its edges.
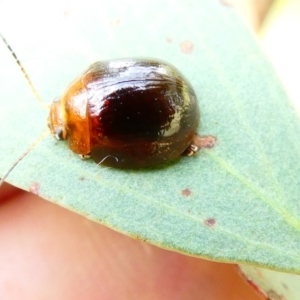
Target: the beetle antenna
(107, 156)
(23, 155)
(38, 98)
(23, 71)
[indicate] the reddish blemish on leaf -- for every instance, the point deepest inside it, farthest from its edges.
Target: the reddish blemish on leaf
(187, 47)
(255, 287)
(186, 192)
(34, 188)
(226, 2)
(252, 284)
(207, 141)
(66, 13)
(210, 222)
(116, 22)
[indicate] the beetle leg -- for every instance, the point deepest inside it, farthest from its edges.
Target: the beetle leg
(85, 156)
(200, 142)
(191, 150)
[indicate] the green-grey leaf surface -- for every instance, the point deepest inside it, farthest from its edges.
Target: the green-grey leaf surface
(244, 202)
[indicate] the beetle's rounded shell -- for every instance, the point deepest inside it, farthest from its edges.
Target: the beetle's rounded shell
(129, 113)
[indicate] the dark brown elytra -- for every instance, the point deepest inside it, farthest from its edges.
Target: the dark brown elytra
(128, 113)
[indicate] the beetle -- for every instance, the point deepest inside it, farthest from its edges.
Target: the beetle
(128, 113)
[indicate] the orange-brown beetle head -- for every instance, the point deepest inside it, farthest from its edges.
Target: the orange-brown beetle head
(56, 123)
(69, 120)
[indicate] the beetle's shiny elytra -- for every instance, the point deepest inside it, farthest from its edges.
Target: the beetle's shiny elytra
(127, 113)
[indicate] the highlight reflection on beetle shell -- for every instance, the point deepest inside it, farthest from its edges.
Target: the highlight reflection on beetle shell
(128, 113)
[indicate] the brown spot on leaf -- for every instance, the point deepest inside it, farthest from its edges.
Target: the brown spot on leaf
(187, 47)
(34, 188)
(186, 192)
(116, 22)
(210, 222)
(81, 178)
(66, 13)
(226, 2)
(169, 40)
(138, 237)
(272, 295)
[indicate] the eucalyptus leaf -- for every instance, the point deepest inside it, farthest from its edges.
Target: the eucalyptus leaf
(237, 202)
(275, 285)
